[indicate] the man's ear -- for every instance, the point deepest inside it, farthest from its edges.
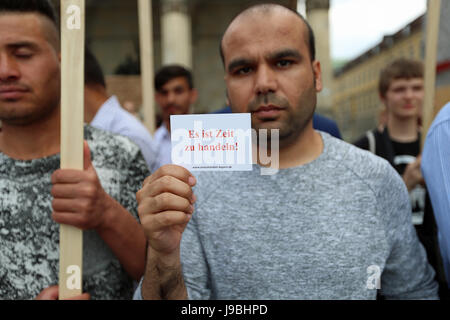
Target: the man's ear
(317, 70)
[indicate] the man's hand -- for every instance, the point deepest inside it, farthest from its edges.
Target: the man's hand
(78, 197)
(413, 175)
(80, 201)
(52, 293)
(165, 207)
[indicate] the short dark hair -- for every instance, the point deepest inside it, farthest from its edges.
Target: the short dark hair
(43, 7)
(167, 73)
(399, 69)
(269, 6)
(93, 73)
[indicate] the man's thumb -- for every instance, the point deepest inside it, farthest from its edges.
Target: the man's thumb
(86, 156)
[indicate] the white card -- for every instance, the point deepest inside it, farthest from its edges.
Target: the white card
(213, 142)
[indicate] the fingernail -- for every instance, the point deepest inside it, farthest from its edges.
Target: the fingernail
(192, 181)
(194, 199)
(191, 209)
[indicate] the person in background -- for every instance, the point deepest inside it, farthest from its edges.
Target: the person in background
(104, 112)
(175, 94)
(401, 90)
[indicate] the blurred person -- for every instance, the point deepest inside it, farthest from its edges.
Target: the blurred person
(104, 112)
(401, 90)
(36, 196)
(314, 230)
(175, 94)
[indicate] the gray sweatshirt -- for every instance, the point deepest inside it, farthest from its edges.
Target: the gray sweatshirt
(336, 228)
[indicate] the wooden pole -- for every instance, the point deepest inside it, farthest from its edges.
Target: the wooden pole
(72, 105)
(147, 68)
(432, 36)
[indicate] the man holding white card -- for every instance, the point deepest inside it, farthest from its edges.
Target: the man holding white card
(333, 222)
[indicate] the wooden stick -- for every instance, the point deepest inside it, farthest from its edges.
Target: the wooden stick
(432, 36)
(72, 105)
(147, 68)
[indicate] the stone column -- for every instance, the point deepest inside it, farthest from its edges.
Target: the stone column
(176, 33)
(318, 17)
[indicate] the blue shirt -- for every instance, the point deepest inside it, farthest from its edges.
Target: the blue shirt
(113, 118)
(327, 125)
(436, 171)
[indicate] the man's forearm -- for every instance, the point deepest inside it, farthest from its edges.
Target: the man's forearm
(163, 279)
(126, 238)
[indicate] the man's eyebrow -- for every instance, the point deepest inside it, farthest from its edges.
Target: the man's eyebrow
(239, 62)
(287, 53)
(273, 56)
(23, 44)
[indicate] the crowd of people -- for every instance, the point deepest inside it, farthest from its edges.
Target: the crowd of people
(338, 221)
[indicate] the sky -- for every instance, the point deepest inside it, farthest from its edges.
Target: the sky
(358, 25)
